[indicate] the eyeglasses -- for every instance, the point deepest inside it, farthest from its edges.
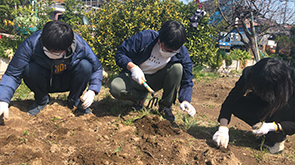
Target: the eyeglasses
(53, 53)
(168, 51)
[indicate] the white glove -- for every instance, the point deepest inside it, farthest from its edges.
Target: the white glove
(4, 109)
(188, 108)
(137, 74)
(221, 137)
(262, 129)
(88, 99)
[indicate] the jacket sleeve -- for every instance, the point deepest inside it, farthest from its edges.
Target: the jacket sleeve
(97, 72)
(13, 74)
(186, 84)
(288, 127)
(235, 93)
(130, 48)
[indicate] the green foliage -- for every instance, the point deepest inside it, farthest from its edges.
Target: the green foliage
(286, 47)
(228, 59)
(31, 17)
(215, 62)
(73, 13)
(9, 45)
(200, 42)
(240, 55)
(24, 19)
(116, 21)
(7, 18)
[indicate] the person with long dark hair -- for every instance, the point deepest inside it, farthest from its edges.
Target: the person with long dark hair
(263, 97)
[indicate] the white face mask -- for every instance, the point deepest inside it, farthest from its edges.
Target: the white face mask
(166, 54)
(53, 55)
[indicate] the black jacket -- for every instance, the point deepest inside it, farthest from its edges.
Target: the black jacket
(285, 116)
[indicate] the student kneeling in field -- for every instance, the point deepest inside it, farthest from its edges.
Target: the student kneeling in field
(264, 98)
(163, 62)
(54, 59)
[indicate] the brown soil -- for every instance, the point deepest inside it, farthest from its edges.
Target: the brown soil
(59, 135)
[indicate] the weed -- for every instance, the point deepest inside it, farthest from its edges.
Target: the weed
(52, 142)
(262, 142)
(55, 118)
(26, 132)
(188, 122)
(138, 151)
(130, 121)
(175, 140)
(117, 150)
(33, 132)
(258, 155)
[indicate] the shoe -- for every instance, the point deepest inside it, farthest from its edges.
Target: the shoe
(34, 109)
(139, 105)
(80, 108)
(85, 111)
(167, 114)
(276, 148)
(71, 105)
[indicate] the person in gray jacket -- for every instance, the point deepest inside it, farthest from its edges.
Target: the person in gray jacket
(51, 60)
(160, 60)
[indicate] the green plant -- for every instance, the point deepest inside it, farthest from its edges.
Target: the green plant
(240, 55)
(73, 13)
(31, 17)
(26, 132)
(215, 62)
(7, 17)
(117, 150)
(9, 44)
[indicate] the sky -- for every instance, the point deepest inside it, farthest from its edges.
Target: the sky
(186, 1)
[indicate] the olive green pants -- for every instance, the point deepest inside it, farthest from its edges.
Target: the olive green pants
(125, 88)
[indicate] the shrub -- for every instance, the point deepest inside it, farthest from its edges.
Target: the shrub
(31, 18)
(8, 45)
(116, 21)
(240, 55)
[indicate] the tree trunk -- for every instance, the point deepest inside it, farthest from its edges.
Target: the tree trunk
(253, 48)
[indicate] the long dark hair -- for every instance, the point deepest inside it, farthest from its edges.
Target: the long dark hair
(271, 80)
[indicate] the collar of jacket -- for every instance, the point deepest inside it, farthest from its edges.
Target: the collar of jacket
(71, 50)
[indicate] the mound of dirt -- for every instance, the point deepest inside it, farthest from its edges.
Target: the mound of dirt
(152, 125)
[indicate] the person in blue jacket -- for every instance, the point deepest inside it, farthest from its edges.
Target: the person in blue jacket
(264, 98)
(160, 60)
(54, 59)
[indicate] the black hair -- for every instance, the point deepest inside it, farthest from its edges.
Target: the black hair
(271, 80)
(172, 34)
(57, 35)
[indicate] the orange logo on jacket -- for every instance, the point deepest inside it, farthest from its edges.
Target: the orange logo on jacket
(59, 68)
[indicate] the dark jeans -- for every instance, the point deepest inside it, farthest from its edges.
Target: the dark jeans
(248, 108)
(168, 79)
(41, 82)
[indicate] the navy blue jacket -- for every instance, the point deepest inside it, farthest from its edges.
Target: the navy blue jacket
(138, 48)
(31, 50)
